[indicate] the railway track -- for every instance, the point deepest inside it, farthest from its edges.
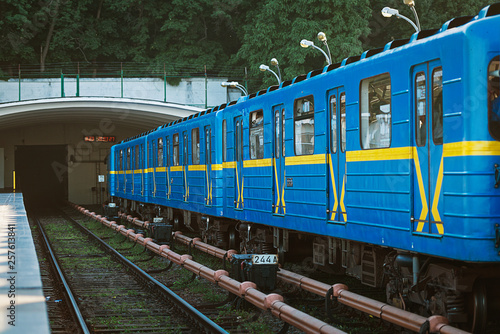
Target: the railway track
(114, 295)
(396, 320)
(271, 315)
(60, 318)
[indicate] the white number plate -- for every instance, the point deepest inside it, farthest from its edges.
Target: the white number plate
(157, 219)
(112, 205)
(264, 259)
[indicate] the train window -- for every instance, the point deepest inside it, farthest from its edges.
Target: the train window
(279, 125)
(304, 125)
(121, 159)
(277, 133)
(224, 131)
(333, 124)
(142, 157)
(185, 149)
(137, 157)
(153, 153)
(128, 158)
(257, 134)
(167, 153)
(494, 98)
(283, 130)
(208, 145)
(420, 109)
(195, 142)
(437, 106)
(375, 112)
(176, 149)
(160, 152)
(342, 123)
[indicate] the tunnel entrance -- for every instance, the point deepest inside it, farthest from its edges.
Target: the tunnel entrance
(41, 172)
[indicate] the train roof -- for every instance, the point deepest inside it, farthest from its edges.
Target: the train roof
(488, 11)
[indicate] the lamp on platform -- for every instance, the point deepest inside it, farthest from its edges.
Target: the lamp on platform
(389, 12)
(264, 68)
(234, 84)
(305, 44)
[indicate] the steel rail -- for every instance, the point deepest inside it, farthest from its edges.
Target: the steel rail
(202, 320)
(70, 299)
(246, 290)
(389, 313)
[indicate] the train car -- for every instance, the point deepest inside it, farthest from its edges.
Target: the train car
(385, 166)
(127, 170)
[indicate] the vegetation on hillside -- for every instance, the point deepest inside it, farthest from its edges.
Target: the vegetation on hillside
(189, 36)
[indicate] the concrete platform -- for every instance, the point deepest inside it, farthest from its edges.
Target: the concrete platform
(22, 303)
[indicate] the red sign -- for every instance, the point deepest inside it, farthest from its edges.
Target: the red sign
(102, 139)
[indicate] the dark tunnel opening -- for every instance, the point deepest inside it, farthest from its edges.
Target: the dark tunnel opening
(41, 172)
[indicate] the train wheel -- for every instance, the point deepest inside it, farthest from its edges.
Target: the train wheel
(232, 238)
(480, 309)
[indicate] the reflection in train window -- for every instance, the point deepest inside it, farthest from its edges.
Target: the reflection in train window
(176, 149)
(160, 152)
(167, 153)
(304, 125)
(257, 135)
(342, 123)
(121, 159)
(420, 109)
(375, 112)
(437, 106)
(224, 130)
(333, 124)
(128, 158)
(195, 142)
(137, 157)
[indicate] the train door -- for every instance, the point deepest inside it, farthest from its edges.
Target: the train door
(238, 160)
(279, 160)
(336, 164)
(427, 118)
(208, 163)
(185, 165)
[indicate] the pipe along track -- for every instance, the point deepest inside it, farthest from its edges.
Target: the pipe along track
(95, 289)
(336, 292)
(246, 290)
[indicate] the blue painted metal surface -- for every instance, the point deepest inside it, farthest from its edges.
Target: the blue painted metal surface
(428, 197)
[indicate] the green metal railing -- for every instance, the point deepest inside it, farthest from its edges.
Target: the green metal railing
(170, 74)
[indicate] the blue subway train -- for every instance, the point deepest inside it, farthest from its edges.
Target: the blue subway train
(384, 166)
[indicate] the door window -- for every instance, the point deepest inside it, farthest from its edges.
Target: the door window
(304, 125)
(437, 106)
(375, 112)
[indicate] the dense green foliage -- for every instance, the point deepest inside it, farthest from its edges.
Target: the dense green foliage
(179, 34)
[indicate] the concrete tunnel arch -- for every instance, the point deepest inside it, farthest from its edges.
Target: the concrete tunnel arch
(30, 131)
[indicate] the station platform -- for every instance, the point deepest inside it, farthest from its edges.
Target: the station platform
(22, 303)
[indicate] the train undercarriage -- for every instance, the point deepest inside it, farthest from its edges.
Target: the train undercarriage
(468, 295)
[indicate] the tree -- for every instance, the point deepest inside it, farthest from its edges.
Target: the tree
(217, 33)
(197, 33)
(432, 15)
(274, 28)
